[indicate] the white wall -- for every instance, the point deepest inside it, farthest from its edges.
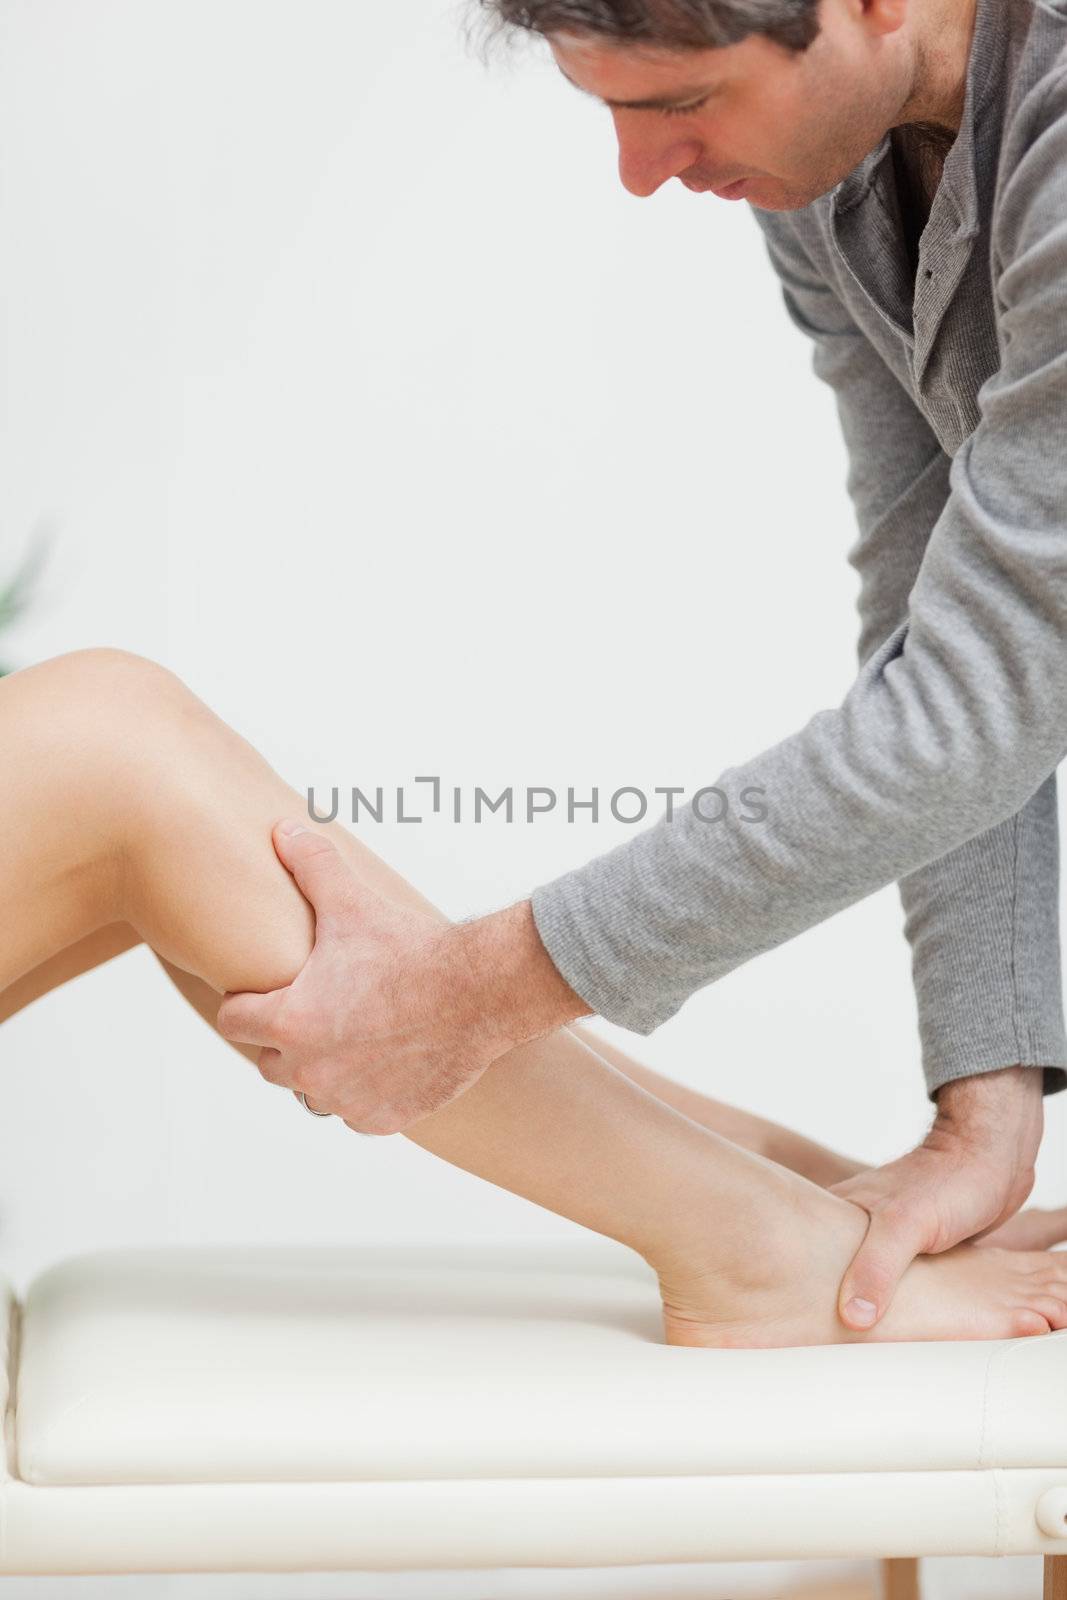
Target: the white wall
(370, 402)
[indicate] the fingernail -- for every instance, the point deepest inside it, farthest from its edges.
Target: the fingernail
(289, 827)
(862, 1311)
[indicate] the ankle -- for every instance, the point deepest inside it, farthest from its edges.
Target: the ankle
(755, 1218)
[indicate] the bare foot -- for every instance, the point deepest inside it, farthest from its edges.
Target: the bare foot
(1030, 1230)
(773, 1281)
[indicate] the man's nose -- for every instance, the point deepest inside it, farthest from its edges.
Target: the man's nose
(647, 161)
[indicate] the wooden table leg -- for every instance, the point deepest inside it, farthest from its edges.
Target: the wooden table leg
(900, 1580)
(1056, 1578)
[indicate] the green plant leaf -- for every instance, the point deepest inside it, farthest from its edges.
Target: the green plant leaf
(16, 596)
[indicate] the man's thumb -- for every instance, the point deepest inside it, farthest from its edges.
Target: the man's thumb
(322, 876)
(871, 1281)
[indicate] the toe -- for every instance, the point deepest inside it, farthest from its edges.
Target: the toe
(1051, 1308)
(1025, 1322)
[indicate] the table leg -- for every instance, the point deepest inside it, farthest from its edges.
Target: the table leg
(900, 1580)
(1056, 1578)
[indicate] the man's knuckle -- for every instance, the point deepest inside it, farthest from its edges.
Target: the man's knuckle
(300, 1074)
(289, 1028)
(318, 1079)
(283, 1022)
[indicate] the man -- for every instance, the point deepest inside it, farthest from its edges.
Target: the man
(907, 162)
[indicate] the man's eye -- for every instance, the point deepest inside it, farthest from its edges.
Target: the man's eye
(683, 111)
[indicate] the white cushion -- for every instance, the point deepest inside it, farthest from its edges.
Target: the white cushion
(283, 1365)
(285, 1407)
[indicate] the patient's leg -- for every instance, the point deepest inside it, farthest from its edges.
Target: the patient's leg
(1033, 1229)
(762, 1137)
(128, 801)
(765, 1138)
(91, 951)
(1036, 1228)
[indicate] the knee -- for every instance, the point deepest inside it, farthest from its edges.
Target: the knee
(103, 668)
(95, 679)
(72, 704)
(124, 703)
(103, 723)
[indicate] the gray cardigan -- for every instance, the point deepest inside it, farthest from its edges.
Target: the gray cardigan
(938, 767)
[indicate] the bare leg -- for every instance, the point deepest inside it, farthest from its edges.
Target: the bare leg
(764, 1138)
(1033, 1229)
(92, 951)
(757, 1134)
(132, 803)
(1036, 1228)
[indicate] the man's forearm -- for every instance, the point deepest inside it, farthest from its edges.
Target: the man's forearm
(1001, 1110)
(513, 982)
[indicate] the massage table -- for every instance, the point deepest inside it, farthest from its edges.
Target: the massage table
(284, 1409)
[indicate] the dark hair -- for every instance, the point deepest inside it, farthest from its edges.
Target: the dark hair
(663, 24)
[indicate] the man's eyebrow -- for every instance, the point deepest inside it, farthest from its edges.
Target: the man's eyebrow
(657, 103)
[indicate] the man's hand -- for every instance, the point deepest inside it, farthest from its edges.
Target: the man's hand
(971, 1173)
(395, 1013)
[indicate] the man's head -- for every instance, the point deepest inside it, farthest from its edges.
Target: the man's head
(785, 95)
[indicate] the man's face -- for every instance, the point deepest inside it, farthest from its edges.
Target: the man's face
(779, 128)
